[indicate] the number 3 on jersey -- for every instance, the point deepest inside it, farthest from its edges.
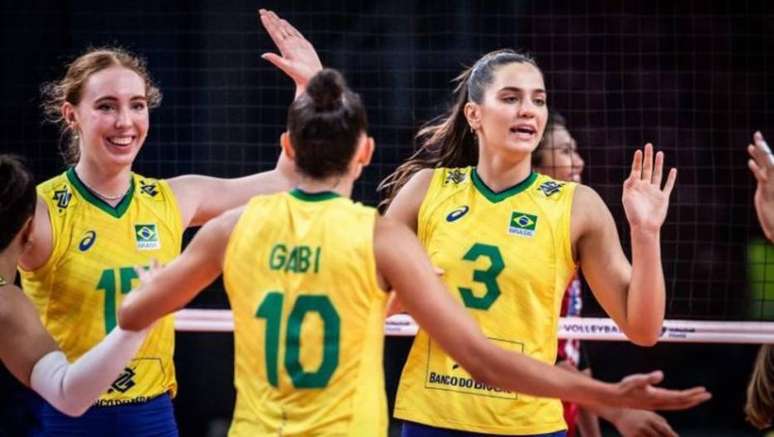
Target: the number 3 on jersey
(271, 310)
(487, 277)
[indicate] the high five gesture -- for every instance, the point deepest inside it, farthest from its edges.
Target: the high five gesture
(644, 200)
(762, 166)
(297, 57)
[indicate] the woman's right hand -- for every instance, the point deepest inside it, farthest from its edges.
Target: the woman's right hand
(297, 58)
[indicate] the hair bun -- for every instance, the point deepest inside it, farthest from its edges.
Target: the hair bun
(325, 89)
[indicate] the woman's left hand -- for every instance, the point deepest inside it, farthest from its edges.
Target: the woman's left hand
(644, 200)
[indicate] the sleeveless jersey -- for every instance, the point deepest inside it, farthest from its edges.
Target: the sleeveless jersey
(308, 313)
(96, 247)
(507, 257)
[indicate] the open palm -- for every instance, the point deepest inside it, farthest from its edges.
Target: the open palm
(645, 202)
(297, 58)
(638, 391)
(761, 164)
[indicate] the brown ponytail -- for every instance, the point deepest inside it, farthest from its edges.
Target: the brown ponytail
(448, 141)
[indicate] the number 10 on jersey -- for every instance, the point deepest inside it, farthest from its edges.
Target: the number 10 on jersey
(270, 309)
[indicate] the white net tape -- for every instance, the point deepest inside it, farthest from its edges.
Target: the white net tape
(584, 328)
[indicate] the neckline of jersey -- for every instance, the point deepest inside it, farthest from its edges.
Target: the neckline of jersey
(115, 211)
(496, 197)
(313, 197)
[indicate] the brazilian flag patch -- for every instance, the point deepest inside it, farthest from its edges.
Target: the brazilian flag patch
(147, 237)
(522, 224)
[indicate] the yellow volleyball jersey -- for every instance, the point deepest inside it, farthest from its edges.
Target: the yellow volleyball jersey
(508, 258)
(96, 247)
(308, 318)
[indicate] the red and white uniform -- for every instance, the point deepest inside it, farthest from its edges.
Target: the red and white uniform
(569, 350)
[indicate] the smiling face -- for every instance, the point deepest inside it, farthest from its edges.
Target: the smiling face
(512, 116)
(558, 156)
(111, 118)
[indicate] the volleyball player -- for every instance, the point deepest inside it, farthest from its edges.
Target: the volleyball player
(557, 157)
(97, 220)
(760, 402)
(508, 241)
(26, 348)
(306, 274)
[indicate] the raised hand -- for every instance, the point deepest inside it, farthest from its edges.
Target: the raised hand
(297, 58)
(645, 202)
(762, 167)
(637, 391)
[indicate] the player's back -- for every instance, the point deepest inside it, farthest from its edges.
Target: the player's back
(308, 312)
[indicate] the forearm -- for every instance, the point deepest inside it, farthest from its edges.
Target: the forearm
(520, 373)
(608, 413)
(587, 422)
(646, 295)
(765, 211)
(72, 388)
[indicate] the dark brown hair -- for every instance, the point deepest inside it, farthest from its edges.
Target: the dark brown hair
(17, 198)
(70, 89)
(447, 141)
(324, 124)
(555, 121)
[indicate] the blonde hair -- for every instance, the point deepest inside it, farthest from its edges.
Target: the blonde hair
(760, 393)
(70, 89)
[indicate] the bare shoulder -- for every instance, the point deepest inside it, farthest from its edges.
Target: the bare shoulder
(418, 183)
(405, 206)
(586, 196)
(589, 212)
(587, 202)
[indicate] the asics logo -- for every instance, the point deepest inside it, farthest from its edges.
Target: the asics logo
(457, 214)
(87, 241)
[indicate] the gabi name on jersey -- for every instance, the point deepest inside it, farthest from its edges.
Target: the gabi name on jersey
(295, 259)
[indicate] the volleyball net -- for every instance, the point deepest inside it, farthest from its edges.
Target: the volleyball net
(583, 328)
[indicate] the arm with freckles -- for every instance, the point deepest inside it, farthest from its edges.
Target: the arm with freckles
(201, 197)
(632, 294)
(404, 266)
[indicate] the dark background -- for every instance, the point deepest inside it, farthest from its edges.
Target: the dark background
(693, 77)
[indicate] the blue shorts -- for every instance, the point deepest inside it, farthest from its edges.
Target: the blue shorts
(154, 418)
(411, 429)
